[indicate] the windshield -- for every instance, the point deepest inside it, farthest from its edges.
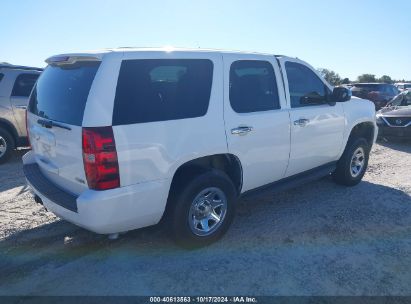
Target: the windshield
(61, 92)
(403, 99)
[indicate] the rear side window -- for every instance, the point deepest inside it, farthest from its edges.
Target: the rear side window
(304, 83)
(24, 84)
(162, 89)
(253, 87)
(61, 92)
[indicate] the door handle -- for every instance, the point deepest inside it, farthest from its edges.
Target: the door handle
(302, 122)
(244, 130)
(21, 107)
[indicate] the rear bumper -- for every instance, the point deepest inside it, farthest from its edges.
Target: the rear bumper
(105, 212)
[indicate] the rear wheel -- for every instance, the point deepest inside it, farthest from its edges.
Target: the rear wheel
(353, 163)
(6, 145)
(202, 210)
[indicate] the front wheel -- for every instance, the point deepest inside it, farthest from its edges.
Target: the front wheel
(353, 163)
(204, 209)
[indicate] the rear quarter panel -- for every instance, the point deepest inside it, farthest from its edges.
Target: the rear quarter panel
(155, 150)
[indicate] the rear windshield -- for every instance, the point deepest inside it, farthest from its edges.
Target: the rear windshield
(162, 89)
(61, 92)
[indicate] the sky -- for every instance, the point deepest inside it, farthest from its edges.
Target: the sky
(349, 37)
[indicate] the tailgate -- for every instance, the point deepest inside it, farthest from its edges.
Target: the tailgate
(54, 122)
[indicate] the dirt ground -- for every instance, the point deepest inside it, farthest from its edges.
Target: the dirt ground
(318, 239)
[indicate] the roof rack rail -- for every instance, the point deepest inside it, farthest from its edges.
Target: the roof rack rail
(19, 67)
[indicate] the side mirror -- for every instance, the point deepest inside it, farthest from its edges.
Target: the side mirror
(341, 94)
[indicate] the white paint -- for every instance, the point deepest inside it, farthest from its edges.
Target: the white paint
(150, 153)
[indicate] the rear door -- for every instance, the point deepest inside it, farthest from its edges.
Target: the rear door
(316, 130)
(256, 121)
(55, 117)
(20, 96)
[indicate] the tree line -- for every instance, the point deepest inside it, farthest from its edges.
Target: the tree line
(335, 79)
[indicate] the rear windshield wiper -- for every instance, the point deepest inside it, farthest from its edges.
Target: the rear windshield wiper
(50, 124)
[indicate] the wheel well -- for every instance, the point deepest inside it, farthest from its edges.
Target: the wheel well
(365, 130)
(227, 163)
(4, 124)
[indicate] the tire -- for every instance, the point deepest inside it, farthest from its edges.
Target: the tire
(6, 145)
(193, 203)
(347, 173)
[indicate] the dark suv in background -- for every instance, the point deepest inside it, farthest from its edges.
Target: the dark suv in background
(379, 93)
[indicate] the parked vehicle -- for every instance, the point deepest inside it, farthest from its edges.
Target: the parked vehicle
(124, 138)
(379, 93)
(403, 86)
(394, 121)
(16, 83)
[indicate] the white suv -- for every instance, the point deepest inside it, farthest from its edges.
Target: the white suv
(124, 138)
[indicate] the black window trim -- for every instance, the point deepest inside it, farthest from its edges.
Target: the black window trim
(276, 84)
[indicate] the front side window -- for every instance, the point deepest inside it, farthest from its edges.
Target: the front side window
(253, 87)
(24, 84)
(305, 87)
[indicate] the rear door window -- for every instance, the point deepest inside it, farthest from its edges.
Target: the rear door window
(61, 92)
(151, 90)
(253, 87)
(24, 84)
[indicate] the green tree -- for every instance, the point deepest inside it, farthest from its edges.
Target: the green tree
(385, 79)
(367, 78)
(331, 76)
(346, 81)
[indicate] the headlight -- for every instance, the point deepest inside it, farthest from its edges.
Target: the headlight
(379, 120)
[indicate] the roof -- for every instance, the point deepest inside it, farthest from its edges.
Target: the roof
(177, 49)
(18, 67)
(159, 49)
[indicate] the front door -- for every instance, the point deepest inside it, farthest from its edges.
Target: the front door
(316, 129)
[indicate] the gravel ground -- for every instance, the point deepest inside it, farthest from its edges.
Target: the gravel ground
(318, 239)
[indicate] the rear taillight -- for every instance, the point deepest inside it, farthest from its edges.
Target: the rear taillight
(27, 130)
(100, 158)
